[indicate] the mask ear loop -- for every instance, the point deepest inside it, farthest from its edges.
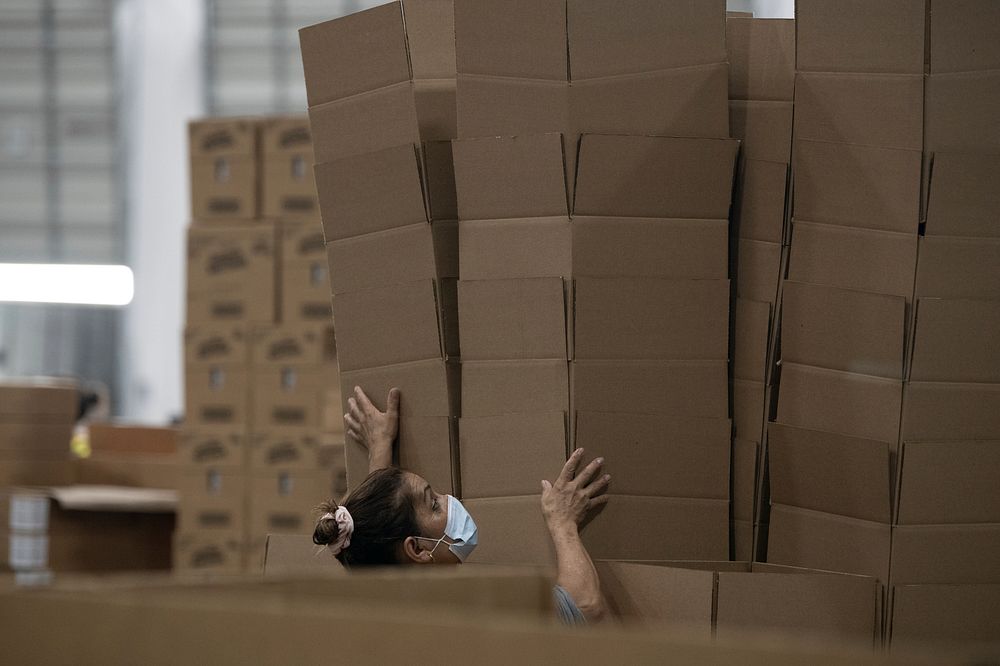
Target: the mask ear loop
(436, 544)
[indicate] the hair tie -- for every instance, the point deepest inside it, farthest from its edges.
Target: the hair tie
(345, 528)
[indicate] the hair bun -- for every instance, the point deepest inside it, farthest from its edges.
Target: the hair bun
(327, 531)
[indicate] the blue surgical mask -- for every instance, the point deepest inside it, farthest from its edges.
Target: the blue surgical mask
(461, 529)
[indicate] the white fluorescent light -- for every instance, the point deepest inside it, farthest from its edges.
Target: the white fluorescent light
(76, 284)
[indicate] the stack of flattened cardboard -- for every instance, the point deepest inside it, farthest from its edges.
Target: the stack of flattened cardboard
(946, 536)
(587, 235)
(856, 164)
(259, 352)
(36, 426)
(382, 107)
(761, 85)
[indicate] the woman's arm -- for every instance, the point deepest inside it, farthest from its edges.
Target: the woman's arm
(373, 429)
(564, 505)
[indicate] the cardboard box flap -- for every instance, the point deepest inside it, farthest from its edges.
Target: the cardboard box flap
(502, 106)
(643, 36)
(745, 462)
(512, 319)
(866, 260)
(613, 319)
(418, 251)
(296, 555)
(952, 342)
(430, 36)
(948, 482)
(761, 200)
(964, 195)
(764, 128)
(949, 614)
(842, 402)
(749, 405)
(439, 176)
(761, 58)
(843, 608)
(388, 325)
(857, 186)
(644, 176)
(688, 388)
(490, 388)
(668, 456)
(430, 387)
(963, 36)
(758, 270)
(510, 453)
(752, 329)
(951, 123)
(512, 531)
(959, 268)
(649, 593)
(946, 553)
(950, 411)
(827, 472)
(371, 192)
(649, 247)
(515, 248)
(845, 330)
(510, 177)
(222, 136)
(860, 36)
(512, 40)
(357, 53)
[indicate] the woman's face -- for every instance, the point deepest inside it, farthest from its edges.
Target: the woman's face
(432, 516)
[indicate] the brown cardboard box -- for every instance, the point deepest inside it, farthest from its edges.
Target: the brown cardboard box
(649, 248)
(42, 402)
(761, 200)
(284, 501)
(689, 388)
(294, 448)
(871, 109)
(311, 344)
(211, 498)
(231, 274)
(949, 344)
(396, 256)
(963, 617)
(816, 540)
(291, 395)
(288, 187)
(844, 402)
(761, 58)
(960, 112)
(209, 551)
(823, 471)
(938, 411)
(653, 594)
(764, 128)
(963, 195)
(668, 528)
(959, 268)
(496, 106)
(751, 332)
(493, 40)
(511, 531)
(884, 37)
(382, 118)
(212, 446)
(759, 270)
(511, 387)
(844, 330)
(946, 553)
(291, 555)
(119, 438)
(142, 471)
(510, 453)
(216, 344)
(36, 440)
(305, 283)
(749, 404)
(427, 446)
(666, 456)
(613, 319)
(515, 248)
(216, 394)
(948, 482)
(396, 324)
(866, 260)
(512, 319)
(50, 469)
(857, 186)
(428, 388)
(746, 459)
(301, 242)
(963, 36)
(223, 158)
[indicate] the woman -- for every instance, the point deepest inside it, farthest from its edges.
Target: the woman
(395, 517)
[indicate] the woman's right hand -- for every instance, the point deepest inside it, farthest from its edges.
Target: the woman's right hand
(566, 502)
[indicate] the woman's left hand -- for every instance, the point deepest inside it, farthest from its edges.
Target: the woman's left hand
(373, 429)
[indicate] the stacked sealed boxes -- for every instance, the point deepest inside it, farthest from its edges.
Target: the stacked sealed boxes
(761, 85)
(946, 533)
(599, 259)
(382, 108)
(856, 166)
(259, 353)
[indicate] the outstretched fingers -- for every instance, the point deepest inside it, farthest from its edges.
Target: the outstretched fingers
(569, 469)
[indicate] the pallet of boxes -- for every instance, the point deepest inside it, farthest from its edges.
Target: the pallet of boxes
(260, 446)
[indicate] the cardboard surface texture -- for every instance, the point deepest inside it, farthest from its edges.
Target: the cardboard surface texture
(764, 128)
(960, 112)
(958, 268)
(211, 498)
(948, 482)
(940, 411)
(951, 614)
(758, 270)
(752, 328)
(510, 387)
(964, 195)
(651, 595)
(429, 387)
(291, 395)
(760, 200)
(951, 341)
(511, 531)
(290, 344)
(515, 248)
(512, 319)
(761, 58)
(689, 388)
(216, 395)
(123, 439)
(212, 446)
(427, 446)
(284, 501)
(946, 554)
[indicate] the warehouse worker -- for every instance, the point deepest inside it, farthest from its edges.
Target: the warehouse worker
(396, 517)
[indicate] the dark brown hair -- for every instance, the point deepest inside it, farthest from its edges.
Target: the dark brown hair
(383, 514)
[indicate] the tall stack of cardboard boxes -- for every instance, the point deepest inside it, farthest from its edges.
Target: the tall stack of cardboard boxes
(856, 164)
(259, 445)
(761, 85)
(381, 105)
(946, 532)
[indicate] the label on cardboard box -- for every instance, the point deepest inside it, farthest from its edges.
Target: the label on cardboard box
(223, 136)
(286, 447)
(216, 394)
(301, 241)
(281, 135)
(235, 264)
(290, 395)
(223, 188)
(288, 188)
(212, 446)
(211, 498)
(215, 344)
(285, 501)
(292, 344)
(202, 550)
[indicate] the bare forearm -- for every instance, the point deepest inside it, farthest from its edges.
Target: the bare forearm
(379, 457)
(576, 572)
